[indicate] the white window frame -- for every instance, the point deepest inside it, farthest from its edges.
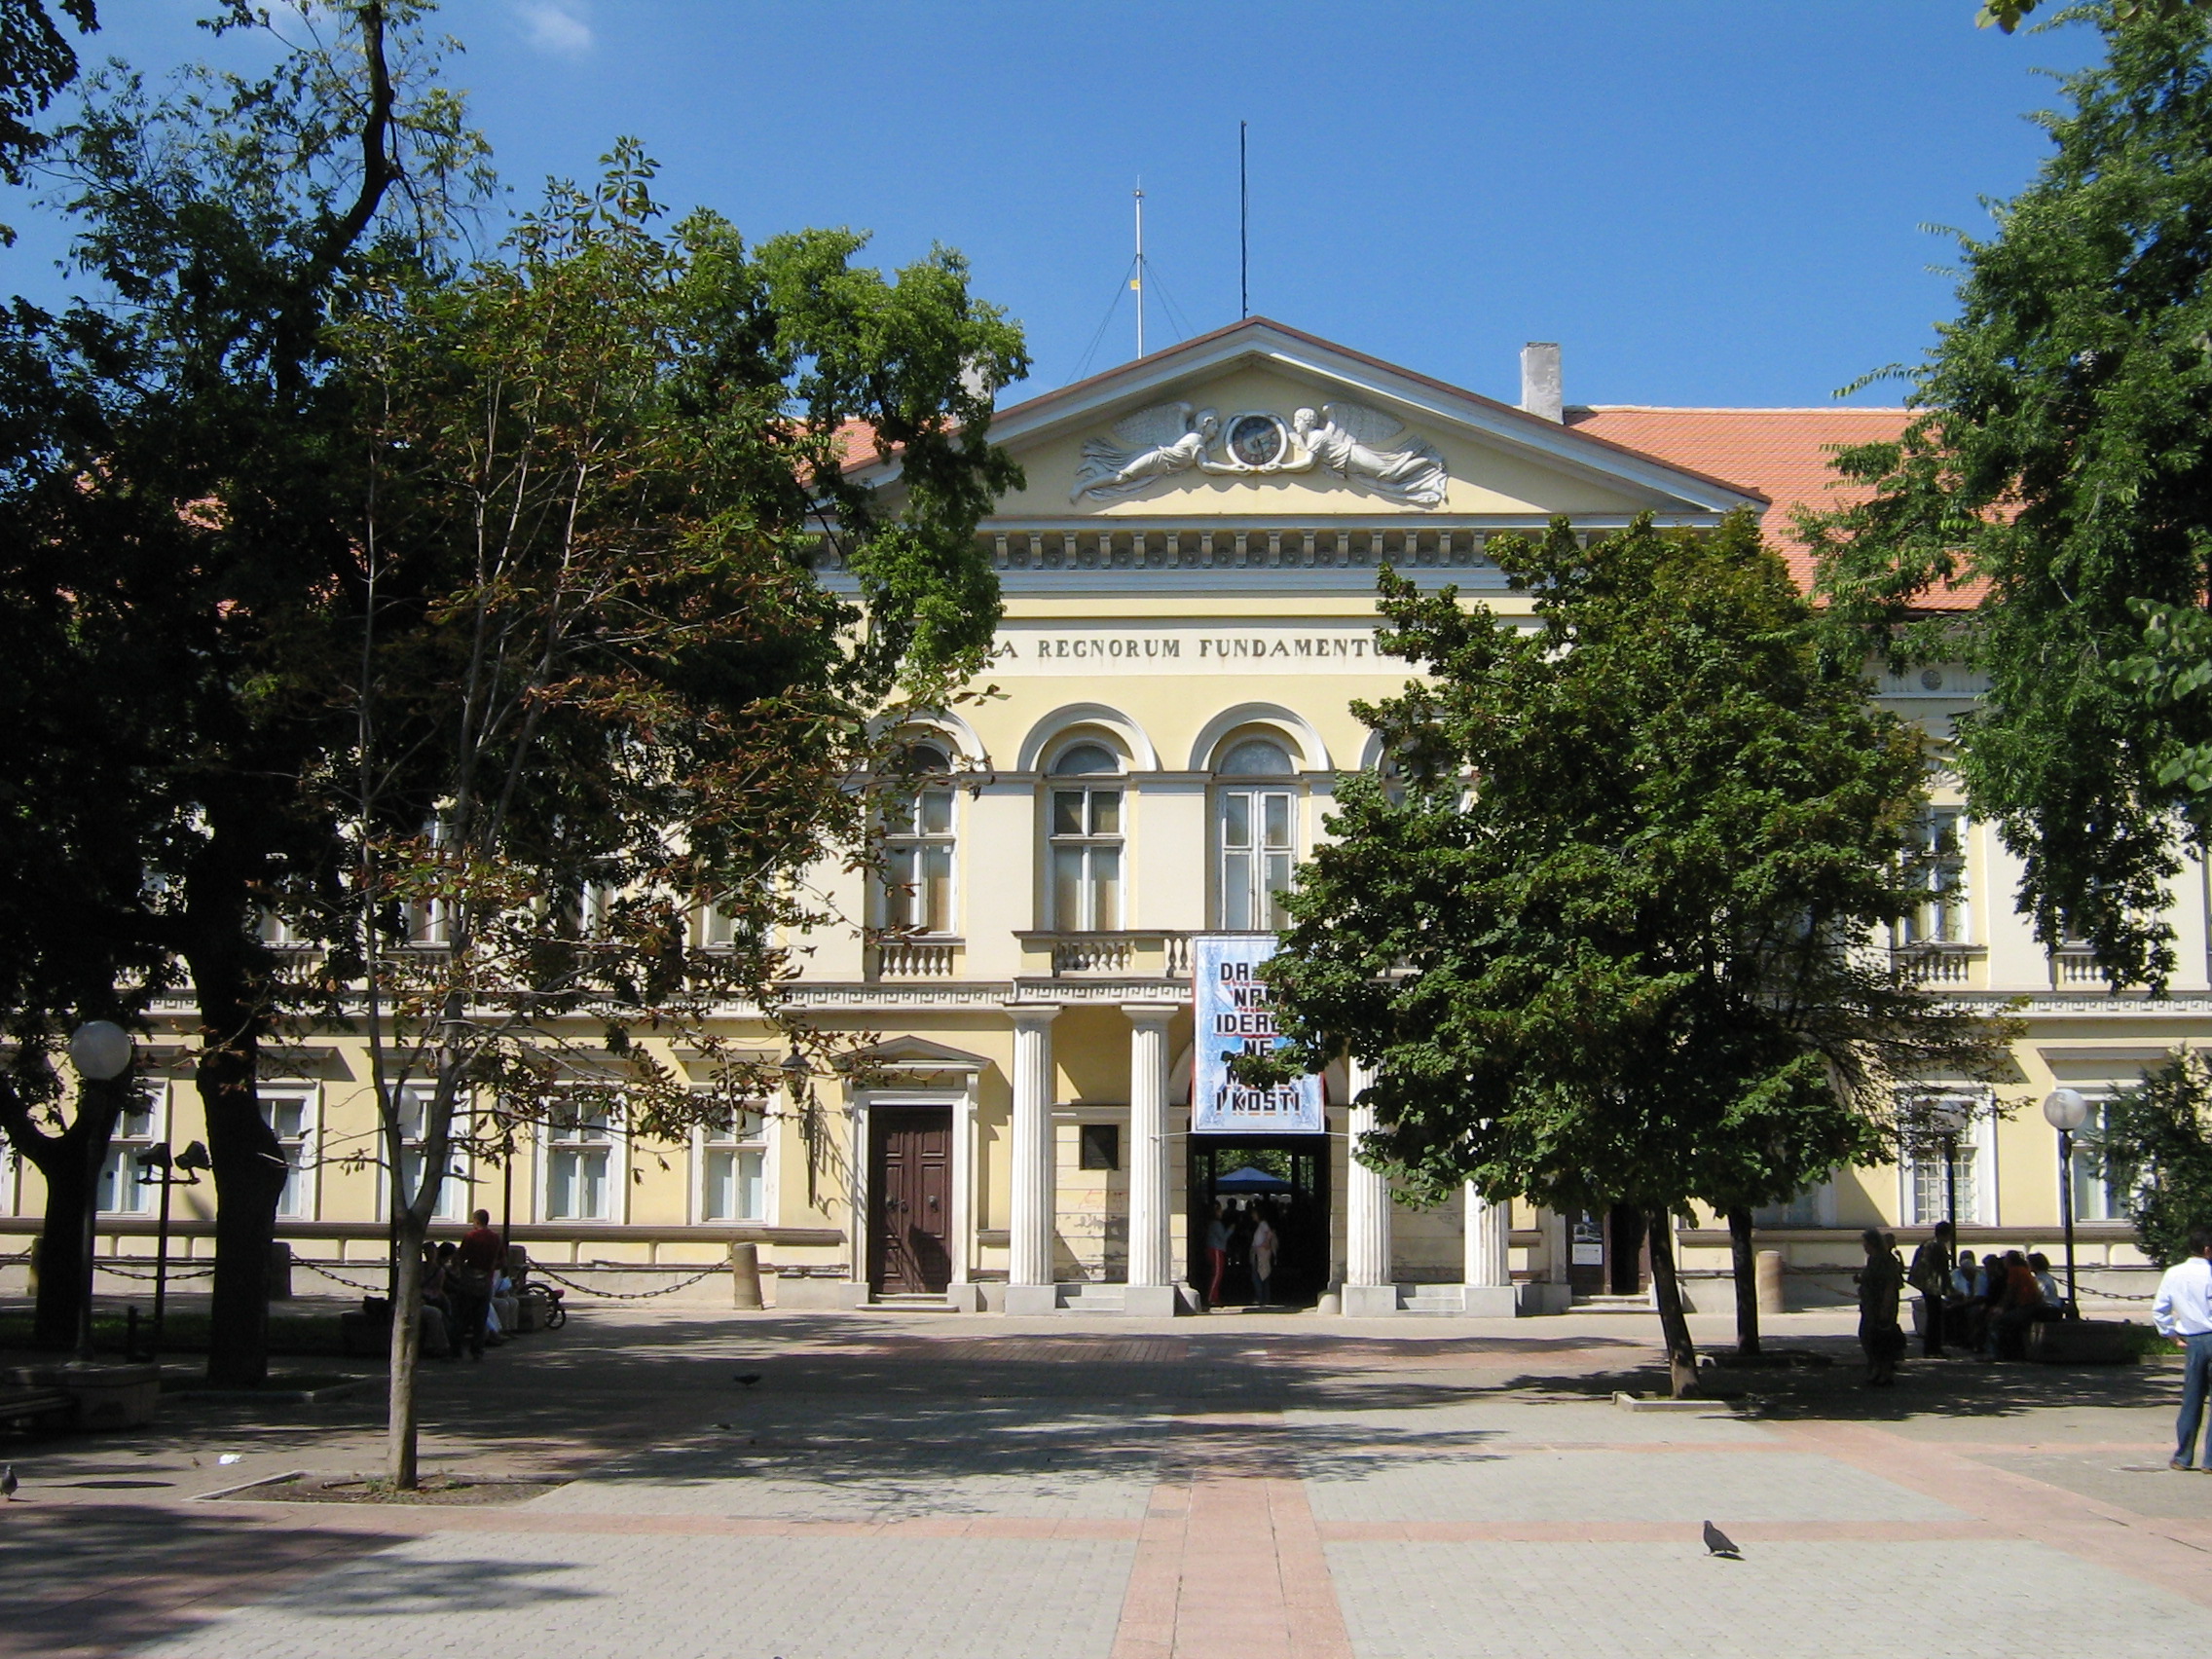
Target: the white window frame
(457, 1197)
(1980, 1139)
(303, 1185)
(1087, 843)
(2100, 1098)
(125, 1147)
(1265, 914)
(905, 828)
(556, 1141)
(1947, 915)
(749, 1135)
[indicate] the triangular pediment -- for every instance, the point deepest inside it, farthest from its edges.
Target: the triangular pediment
(912, 1053)
(1261, 424)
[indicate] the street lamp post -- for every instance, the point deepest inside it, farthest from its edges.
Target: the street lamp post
(2066, 1110)
(160, 1169)
(101, 1050)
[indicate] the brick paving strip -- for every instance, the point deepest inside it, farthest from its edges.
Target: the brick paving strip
(2174, 1555)
(1229, 1561)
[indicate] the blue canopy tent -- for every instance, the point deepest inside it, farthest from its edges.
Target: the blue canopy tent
(1248, 1180)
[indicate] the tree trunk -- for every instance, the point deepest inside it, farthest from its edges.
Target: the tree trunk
(69, 1162)
(1673, 1322)
(406, 1349)
(61, 1248)
(250, 1180)
(1744, 1261)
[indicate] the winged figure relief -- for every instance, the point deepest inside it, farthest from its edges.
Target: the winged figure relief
(1153, 443)
(1365, 446)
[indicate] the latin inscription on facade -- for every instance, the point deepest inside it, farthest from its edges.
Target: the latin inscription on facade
(1186, 648)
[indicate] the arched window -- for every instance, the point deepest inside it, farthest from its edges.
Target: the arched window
(918, 845)
(1255, 836)
(1084, 833)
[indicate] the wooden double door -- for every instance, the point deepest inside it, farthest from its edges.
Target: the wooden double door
(909, 1200)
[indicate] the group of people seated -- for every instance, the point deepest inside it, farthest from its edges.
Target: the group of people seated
(1992, 1303)
(469, 1297)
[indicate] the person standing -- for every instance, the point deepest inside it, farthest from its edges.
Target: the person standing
(1931, 1275)
(1217, 1253)
(1264, 1245)
(475, 1264)
(2183, 1310)
(1879, 1283)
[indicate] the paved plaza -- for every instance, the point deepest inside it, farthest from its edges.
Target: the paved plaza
(978, 1488)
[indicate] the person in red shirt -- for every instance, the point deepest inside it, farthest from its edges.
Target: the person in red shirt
(2020, 1307)
(476, 1264)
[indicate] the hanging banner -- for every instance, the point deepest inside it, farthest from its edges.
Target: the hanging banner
(1236, 1014)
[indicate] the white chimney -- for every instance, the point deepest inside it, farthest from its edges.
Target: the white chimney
(1541, 390)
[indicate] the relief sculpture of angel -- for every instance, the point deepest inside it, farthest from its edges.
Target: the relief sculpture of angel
(1153, 443)
(1355, 443)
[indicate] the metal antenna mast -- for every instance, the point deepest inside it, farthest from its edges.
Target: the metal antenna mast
(1137, 282)
(1243, 229)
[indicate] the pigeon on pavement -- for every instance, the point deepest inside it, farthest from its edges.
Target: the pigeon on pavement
(1718, 1543)
(8, 1482)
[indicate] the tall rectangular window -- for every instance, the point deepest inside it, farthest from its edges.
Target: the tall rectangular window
(2096, 1197)
(1943, 915)
(291, 1119)
(1085, 833)
(136, 1128)
(580, 1165)
(1256, 852)
(733, 1163)
(415, 1124)
(918, 845)
(1931, 1176)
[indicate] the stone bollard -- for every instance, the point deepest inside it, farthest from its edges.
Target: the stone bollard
(745, 1276)
(30, 1277)
(279, 1271)
(1766, 1269)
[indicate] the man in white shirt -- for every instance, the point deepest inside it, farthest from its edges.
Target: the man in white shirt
(2183, 1308)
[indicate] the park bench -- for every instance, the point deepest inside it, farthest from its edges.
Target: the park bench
(2082, 1341)
(36, 1407)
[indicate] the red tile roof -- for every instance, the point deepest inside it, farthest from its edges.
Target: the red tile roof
(1783, 454)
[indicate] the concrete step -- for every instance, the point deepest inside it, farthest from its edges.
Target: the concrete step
(1612, 1305)
(1093, 1298)
(1449, 1299)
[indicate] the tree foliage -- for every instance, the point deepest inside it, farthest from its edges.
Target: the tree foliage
(1610, 937)
(2058, 468)
(600, 692)
(2155, 1146)
(37, 62)
(177, 478)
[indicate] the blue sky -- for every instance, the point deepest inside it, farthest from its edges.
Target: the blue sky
(1704, 200)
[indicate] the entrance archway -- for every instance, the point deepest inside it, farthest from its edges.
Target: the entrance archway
(1286, 1177)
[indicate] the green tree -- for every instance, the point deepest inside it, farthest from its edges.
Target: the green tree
(600, 690)
(2058, 468)
(180, 471)
(1616, 936)
(37, 63)
(2156, 1146)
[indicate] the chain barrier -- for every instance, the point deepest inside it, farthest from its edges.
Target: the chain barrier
(174, 1274)
(341, 1278)
(539, 1269)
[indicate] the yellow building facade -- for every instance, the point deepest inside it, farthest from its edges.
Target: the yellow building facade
(1189, 613)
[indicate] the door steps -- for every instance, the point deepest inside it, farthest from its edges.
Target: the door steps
(1093, 1298)
(912, 1302)
(1611, 1305)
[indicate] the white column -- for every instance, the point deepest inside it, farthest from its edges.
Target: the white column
(962, 1293)
(1369, 1289)
(1488, 1271)
(1151, 1289)
(1030, 1288)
